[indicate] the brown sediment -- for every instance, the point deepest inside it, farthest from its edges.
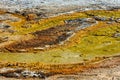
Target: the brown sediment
(50, 36)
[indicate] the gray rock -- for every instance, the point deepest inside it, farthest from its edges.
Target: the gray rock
(117, 35)
(111, 19)
(11, 74)
(118, 20)
(100, 18)
(27, 73)
(90, 20)
(22, 50)
(41, 75)
(69, 21)
(113, 8)
(9, 17)
(110, 22)
(80, 20)
(4, 26)
(83, 26)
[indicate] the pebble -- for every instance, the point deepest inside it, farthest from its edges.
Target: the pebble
(117, 35)
(118, 20)
(100, 18)
(28, 73)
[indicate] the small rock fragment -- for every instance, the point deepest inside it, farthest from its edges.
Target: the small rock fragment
(4, 26)
(117, 35)
(118, 20)
(31, 16)
(100, 18)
